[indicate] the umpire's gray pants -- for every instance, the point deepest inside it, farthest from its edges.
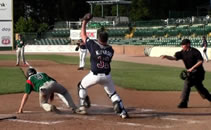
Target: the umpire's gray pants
(199, 87)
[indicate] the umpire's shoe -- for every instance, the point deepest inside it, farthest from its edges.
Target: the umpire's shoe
(183, 105)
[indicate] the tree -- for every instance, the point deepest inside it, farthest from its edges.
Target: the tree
(123, 10)
(140, 10)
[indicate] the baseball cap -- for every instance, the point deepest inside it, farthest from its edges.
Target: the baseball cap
(185, 42)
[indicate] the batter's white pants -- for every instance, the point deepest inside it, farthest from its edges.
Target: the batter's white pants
(53, 87)
(105, 80)
(82, 55)
(19, 54)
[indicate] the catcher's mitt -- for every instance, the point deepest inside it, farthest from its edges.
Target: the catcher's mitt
(188, 75)
(183, 75)
(87, 17)
(77, 48)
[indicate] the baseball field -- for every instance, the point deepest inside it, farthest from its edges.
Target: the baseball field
(149, 87)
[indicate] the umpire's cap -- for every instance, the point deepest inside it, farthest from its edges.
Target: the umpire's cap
(185, 42)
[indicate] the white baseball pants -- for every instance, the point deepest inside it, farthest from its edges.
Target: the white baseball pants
(20, 53)
(53, 87)
(105, 80)
(82, 56)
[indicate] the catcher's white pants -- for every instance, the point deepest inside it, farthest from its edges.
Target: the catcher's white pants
(20, 53)
(204, 54)
(82, 55)
(105, 80)
(53, 87)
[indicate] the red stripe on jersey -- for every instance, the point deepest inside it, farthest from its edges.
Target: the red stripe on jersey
(29, 82)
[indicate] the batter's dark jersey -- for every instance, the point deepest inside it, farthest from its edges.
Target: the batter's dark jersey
(101, 56)
(190, 58)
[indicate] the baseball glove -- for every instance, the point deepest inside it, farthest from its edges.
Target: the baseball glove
(188, 75)
(77, 48)
(184, 75)
(87, 17)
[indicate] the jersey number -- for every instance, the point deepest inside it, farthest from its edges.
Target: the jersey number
(103, 62)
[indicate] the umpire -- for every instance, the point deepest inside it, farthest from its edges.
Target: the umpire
(193, 61)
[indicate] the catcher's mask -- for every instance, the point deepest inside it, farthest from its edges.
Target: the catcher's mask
(31, 71)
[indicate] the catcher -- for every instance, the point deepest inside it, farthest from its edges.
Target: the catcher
(46, 86)
(194, 75)
(101, 54)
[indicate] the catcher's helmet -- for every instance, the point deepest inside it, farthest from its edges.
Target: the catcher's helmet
(31, 71)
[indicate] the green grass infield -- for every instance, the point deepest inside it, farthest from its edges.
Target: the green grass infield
(127, 75)
(12, 80)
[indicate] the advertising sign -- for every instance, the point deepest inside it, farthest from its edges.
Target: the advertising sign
(75, 34)
(6, 31)
(5, 10)
(6, 23)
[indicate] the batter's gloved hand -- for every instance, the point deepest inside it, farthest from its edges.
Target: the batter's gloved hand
(87, 17)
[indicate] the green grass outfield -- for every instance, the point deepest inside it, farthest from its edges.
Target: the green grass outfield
(125, 74)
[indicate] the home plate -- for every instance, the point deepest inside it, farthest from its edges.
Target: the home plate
(7, 116)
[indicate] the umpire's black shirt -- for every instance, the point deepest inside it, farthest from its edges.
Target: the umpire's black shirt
(190, 58)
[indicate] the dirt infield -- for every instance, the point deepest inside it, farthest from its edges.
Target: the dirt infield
(147, 110)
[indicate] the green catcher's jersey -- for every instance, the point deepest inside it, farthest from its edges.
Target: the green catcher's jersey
(20, 43)
(34, 82)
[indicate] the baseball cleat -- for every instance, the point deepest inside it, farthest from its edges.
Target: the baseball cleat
(81, 68)
(124, 115)
(81, 110)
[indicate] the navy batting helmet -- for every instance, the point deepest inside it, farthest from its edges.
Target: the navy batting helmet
(31, 71)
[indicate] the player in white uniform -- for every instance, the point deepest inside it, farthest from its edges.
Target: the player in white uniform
(204, 45)
(82, 54)
(20, 44)
(100, 57)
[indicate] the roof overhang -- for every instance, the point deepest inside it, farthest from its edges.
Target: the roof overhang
(109, 2)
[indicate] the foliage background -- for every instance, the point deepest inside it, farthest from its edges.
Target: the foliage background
(36, 14)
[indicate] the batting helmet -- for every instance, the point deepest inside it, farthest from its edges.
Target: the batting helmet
(31, 71)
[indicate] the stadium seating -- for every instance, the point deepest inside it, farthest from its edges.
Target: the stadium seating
(147, 33)
(52, 41)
